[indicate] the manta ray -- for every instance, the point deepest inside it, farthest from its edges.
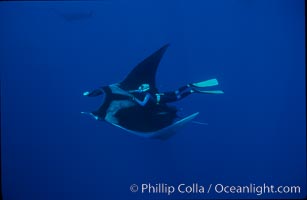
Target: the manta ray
(152, 117)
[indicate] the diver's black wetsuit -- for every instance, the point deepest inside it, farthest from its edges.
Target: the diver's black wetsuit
(162, 98)
(165, 97)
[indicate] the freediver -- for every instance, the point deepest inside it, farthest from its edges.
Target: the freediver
(165, 97)
(135, 105)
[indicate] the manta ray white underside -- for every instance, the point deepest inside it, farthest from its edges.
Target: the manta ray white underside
(163, 133)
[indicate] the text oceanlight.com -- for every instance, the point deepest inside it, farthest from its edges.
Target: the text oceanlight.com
(196, 188)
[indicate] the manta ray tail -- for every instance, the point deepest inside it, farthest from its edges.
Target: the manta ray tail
(90, 114)
(200, 123)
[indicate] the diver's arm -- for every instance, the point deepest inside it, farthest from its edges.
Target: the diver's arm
(135, 91)
(144, 102)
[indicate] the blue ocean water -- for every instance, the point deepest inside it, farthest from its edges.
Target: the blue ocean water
(51, 52)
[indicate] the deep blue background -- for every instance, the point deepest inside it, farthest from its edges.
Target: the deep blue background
(256, 131)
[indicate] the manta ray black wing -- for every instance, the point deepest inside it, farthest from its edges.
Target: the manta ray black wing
(144, 72)
(120, 110)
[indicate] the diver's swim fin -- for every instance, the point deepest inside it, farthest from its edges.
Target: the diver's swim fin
(209, 91)
(207, 83)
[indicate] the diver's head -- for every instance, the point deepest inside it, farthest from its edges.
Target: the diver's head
(144, 87)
